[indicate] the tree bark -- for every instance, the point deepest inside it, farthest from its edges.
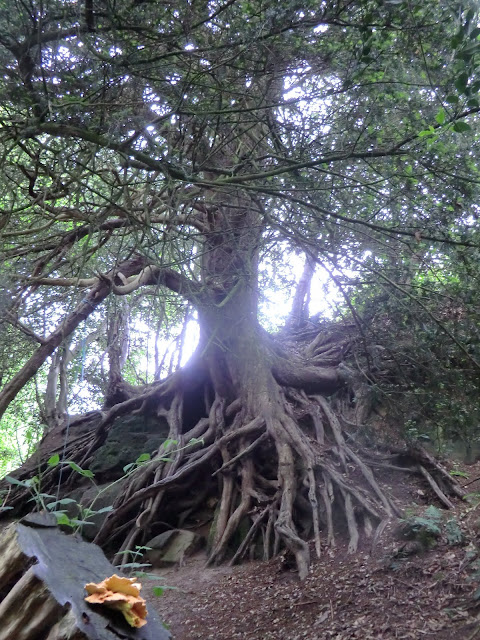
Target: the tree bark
(117, 343)
(301, 300)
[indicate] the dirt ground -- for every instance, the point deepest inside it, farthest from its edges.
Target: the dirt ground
(380, 592)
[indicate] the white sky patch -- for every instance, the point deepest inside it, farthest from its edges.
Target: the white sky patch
(277, 301)
(192, 337)
(275, 306)
(308, 96)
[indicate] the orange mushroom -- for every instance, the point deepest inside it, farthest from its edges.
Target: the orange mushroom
(122, 594)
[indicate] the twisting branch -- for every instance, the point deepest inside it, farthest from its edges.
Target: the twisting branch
(150, 275)
(153, 275)
(90, 302)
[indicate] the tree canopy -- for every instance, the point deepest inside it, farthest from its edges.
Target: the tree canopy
(161, 161)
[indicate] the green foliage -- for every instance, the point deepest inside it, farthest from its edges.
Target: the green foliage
(460, 474)
(135, 567)
(431, 525)
(132, 564)
(422, 320)
(48, 502)
(20, 430)
(348, 130)
(453, 532)
(427, 525)
(54, 505)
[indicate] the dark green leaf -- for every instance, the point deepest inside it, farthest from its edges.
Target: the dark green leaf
(461, 127)
(83, 472)
(63, 501)
(456, 40)
(469, 17)
(461, 83)
(21, 483)
(105, 509)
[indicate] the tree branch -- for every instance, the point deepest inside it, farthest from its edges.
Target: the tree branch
(153, 275)
(91, 301)
(15, 322)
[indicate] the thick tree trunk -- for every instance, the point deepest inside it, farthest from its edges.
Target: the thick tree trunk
(271, 457)
(268, 447)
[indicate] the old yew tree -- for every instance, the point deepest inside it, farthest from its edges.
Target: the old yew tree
(166, 165)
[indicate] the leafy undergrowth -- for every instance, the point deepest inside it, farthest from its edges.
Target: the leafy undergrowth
(397, 589)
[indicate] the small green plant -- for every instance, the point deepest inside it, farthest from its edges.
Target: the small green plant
(430, 526)
(48, 502)
(425, 528)
(459, 474)
(453, 532)
(136, 568)
(472, 498)
(51, 503)
(136, 555)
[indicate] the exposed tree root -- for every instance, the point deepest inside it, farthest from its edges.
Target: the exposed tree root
(282, 477)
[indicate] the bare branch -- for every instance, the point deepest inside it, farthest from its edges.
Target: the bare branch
(153, 275)
(82, 283)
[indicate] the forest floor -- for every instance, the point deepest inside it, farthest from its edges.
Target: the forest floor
(384, 591)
